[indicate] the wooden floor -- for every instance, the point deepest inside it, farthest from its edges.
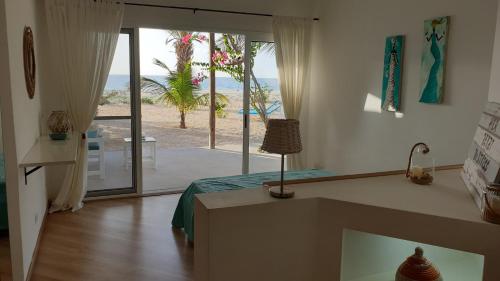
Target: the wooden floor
(125, 239)
(5, 265)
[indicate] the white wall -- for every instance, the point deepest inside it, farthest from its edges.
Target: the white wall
(347, 65)
(1, 136)
(208, 21)
(494, 93)
(10, 148)
(20, 117)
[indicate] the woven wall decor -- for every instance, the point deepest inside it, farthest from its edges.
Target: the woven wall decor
(29, 61)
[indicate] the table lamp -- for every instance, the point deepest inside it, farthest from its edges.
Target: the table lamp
(282, 137)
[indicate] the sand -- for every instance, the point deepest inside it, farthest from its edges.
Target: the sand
(162, 122)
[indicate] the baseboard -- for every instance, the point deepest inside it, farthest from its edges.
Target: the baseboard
(37, 245)
(131, 195)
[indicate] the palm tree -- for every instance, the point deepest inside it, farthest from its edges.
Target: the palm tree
(178, 90)
(183, 49)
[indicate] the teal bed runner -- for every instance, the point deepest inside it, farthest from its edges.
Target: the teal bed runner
(184, 213)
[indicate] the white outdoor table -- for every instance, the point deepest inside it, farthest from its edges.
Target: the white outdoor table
(149, 142)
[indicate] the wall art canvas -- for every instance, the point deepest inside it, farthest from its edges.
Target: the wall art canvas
(434, 60)
(393, 66)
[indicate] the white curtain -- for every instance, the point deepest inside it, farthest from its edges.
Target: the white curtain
(83, 36)
(292, 38)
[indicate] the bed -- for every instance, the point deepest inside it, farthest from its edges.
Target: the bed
(3, 197)
(184, 213)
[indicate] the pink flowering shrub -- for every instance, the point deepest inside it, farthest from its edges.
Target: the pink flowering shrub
(220, 57)
(198, 79)
(190, 37)
(187, 38)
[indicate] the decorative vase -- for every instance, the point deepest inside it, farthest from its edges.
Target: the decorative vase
(421, 165)
(59, 125)
(418, 268)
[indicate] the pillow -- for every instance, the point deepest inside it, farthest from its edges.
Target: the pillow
(92, 134)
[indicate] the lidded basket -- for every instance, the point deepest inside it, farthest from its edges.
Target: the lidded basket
(418, 268)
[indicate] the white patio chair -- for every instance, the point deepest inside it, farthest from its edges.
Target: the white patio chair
(96, 151)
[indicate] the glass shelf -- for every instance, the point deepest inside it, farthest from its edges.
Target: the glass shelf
(371, 257)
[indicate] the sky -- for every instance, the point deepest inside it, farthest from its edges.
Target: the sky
(152, 45)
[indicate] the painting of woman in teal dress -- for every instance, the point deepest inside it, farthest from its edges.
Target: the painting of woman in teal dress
(434, 60)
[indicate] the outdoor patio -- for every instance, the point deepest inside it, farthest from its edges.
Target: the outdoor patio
(176, 168)
(182, 155)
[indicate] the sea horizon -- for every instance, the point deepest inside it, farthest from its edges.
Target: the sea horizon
(120, 82)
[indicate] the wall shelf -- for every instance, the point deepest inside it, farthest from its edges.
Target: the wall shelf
(46, 152)
(371, 257)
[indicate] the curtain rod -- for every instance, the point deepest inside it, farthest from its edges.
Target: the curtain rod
(202, 10)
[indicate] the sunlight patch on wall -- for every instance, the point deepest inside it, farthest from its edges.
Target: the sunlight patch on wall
(373, 103)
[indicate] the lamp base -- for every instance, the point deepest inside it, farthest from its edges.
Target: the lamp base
(276, 192)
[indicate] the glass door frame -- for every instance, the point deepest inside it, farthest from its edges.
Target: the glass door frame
(249, 39)
(135, 102)
(133, 124)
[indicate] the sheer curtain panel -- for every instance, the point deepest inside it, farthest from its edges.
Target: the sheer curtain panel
(83, 36)
(292, 38)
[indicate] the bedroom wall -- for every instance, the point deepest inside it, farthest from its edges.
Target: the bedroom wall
(20, 120)
(348, 50)
(206, 21)
(494, 92)
(10, 155)
(1, 136)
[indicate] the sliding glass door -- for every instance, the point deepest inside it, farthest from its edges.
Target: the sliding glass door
(190, 130)
(111, 149)
(196, 103)
(264, 103)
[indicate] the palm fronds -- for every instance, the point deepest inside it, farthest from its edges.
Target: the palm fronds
(152, 86)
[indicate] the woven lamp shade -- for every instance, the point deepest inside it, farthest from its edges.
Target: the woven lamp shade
(282, 136)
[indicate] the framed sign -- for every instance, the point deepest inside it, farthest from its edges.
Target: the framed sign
(482, 166)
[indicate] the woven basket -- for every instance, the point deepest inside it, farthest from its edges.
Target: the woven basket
(418, 268)
(488, 213)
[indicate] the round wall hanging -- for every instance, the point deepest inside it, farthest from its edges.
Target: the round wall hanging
(29, 61)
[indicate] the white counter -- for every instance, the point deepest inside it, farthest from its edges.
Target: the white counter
(243, 233)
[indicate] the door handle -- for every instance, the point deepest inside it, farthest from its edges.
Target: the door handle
(245, 120)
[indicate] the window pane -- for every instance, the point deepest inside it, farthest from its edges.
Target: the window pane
(265, 103)
(109, 155)
(115, 100)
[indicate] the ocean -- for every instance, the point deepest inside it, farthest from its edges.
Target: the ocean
(223, 84)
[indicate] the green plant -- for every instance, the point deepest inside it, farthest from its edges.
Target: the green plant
(147, 100)
(228, 58)
(179, 91)
(107, 97)
(259, 98)
(220, 109)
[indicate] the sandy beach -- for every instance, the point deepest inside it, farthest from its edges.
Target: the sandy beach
(162, 122)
